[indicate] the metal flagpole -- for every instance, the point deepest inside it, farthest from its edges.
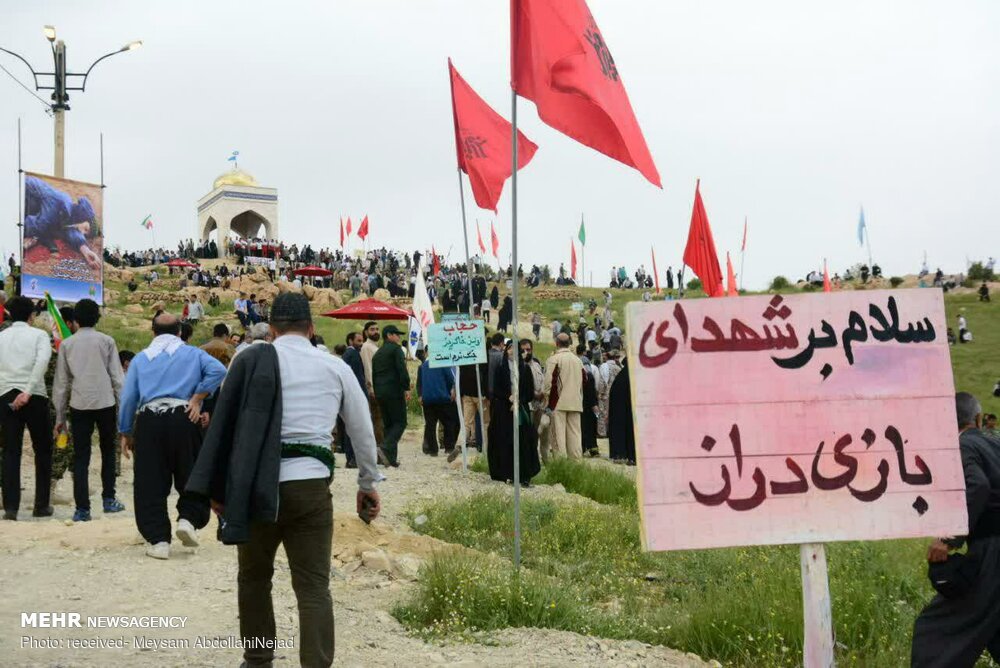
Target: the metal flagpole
(479, 383)
(516, 389)
(20, 211)
(583, 255)
(868, 242)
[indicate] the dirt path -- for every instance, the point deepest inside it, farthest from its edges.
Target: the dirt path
(99, 569)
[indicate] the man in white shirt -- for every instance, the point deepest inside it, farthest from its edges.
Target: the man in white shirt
(195, 311)
(240, 308)
(368, 350)
(24, 358)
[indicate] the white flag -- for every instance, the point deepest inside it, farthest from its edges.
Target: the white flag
(415, 334)
(423, 309)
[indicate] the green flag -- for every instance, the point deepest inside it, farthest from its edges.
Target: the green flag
(59, 329)
(583, 233)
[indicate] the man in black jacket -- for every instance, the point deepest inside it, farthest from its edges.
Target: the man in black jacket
(953, 632)
(267, 463)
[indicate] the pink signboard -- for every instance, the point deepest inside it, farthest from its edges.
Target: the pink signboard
(795, 419)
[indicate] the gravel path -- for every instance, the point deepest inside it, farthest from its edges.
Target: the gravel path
(99, 569)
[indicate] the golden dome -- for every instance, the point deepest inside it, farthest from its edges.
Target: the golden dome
(237, 177)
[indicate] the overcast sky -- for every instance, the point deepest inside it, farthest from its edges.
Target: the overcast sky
(793, 114)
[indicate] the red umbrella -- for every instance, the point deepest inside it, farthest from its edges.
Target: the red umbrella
(313, 271)
(369, 309)
(181, 263)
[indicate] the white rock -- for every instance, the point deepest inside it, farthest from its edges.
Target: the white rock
(376, 560)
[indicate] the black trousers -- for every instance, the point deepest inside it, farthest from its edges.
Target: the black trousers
(305, 528)
(82, 424)
(35, 416)
(166, 446)
(394, 421)
(447, 415)
(953, 632)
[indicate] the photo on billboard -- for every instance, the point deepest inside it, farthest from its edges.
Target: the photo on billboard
(63, 239)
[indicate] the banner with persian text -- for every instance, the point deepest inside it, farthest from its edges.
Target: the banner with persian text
(795, 419)
(63, 239)
(456, 342)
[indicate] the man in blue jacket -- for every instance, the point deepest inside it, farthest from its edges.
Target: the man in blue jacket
(436, 390)
(159, 419)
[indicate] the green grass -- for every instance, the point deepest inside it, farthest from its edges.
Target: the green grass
(740, 606)
(598, 482)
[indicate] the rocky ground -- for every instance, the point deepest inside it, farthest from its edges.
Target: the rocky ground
(99, 568)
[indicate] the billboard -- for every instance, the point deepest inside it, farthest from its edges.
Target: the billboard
(795, 419)
(63, 239)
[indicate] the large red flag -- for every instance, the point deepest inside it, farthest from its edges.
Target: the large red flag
(341, 232)
(363, 228)
(482, 139)
(572, 259)
(560, 61)
(495, 240)
(656, 273)
(437, 261)
(700, 252)
(826, 278)
(479, 238)
(348, 227)
(731, 290)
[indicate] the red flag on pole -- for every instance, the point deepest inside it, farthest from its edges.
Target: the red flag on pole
(700, 252)
(495, 240)
(363, 228)
(744, 247)
(341, 232)
(348, 227)
(572, 259)
(560, 61)
(437, 262)
(479, 238)
(826, 278)
(731, 290)
(656, 273)
(482, 139)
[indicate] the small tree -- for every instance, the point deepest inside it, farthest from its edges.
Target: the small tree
(780, 283)
(979, 272)
(694, 284)
(895, 281)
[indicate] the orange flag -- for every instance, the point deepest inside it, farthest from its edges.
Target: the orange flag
(482, 139)
(479, 238)
(656, 273)
(561, 62)
(437, 262)
(731, 290)
(495, 240)
(572, 259)
(348, 227)
(363, 228)
(826, 278)
(700, 252)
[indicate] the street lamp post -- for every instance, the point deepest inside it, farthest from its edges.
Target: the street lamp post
(63, 82)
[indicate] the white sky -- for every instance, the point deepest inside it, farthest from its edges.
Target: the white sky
(791, 113)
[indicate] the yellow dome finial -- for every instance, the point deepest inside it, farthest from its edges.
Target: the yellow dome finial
(237, 177)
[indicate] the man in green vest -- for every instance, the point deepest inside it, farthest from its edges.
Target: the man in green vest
(391, 384)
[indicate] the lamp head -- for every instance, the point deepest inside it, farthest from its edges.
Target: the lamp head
(133, 45)
(50, 33)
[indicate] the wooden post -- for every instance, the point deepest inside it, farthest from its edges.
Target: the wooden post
(818, 646)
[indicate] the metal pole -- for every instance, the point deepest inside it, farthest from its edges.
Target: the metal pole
(102, 161)
(20, 212)
(516, 390)
(479, 382)
(59, 109)
(743, 251)
(60, 142)
(583, 256)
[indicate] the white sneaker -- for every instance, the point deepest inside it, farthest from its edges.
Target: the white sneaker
(158, 550)
(186, 533)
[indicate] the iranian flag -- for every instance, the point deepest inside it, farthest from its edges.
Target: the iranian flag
(147, 222)
(59, 329)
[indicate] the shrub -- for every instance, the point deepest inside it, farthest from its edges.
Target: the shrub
(694, 284)
(895, 281)
(780, 283)
(600, 483)
(979, 272)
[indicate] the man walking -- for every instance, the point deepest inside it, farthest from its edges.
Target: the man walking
(195, 311)
(563, 390)
(161, 408)
(88, 381)
(953, 630)
(24, 356)
(352, 358)
(274, 417)
(436, 390)
(368, 350)
(391, 384)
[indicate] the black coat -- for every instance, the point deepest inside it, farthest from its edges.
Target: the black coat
(621, 437)
(240, 460)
